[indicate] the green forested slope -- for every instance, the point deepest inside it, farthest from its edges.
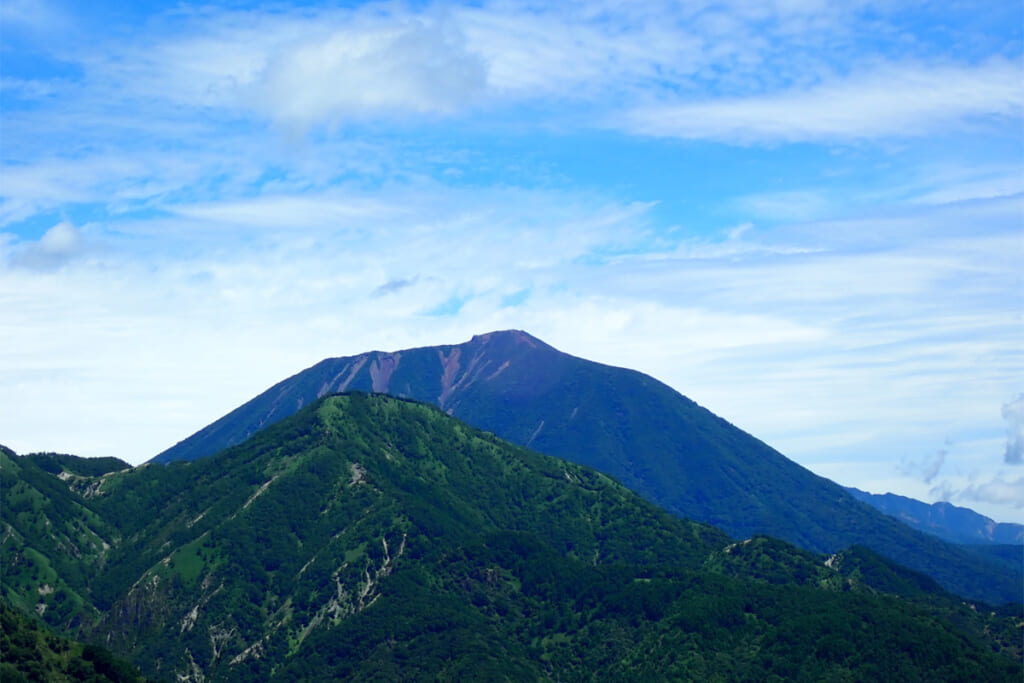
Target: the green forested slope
(32, 653)
(51, 539)
(374, 538)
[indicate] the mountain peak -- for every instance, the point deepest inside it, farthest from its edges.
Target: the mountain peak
(506, 342)
(515, 336)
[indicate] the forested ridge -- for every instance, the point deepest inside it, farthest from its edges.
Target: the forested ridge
(375, 538)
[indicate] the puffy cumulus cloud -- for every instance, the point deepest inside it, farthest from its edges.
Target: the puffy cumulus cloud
(894, 99)
(62, 239)
(1013, 413)
(369, 67)
(57, 246)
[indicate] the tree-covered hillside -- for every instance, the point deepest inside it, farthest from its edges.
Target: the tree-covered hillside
(32, 653)
(372, 538)
(53, 542)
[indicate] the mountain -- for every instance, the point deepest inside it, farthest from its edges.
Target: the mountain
(948, 522)
(375, 538)
(632, 427)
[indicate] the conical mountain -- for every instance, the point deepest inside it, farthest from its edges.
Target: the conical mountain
(632, 427)
(375, 538)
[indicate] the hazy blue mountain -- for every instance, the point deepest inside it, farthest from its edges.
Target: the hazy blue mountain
(632, 427)
(375, 538)
(945, 520)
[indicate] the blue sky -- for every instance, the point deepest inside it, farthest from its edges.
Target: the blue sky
(805, 215)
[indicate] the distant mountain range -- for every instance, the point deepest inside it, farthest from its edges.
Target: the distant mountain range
(948, 522)
(634, 428)
(368, 537)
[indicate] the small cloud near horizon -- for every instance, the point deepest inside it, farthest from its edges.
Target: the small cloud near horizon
(394, 285)
(57, 246)
(996, 491)
(927, 470)
(1013, 413)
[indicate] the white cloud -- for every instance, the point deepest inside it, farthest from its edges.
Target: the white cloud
(114, 180)
(996, 491)
(293, 212)
(730, 72)
(62, 239)
(379, 68)
(928, 469)
(36, 15)
(1013, 413)
(326, 66)
(894, 99)
(572, 53)
(792, 205)
(57, 246)
(1000, 183)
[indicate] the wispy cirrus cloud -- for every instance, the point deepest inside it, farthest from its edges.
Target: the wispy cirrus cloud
(928, 469)
(904, 100)
(708, 70)
(34, 15)
(325, 211)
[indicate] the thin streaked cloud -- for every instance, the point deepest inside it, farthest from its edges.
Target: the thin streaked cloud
(893, 100)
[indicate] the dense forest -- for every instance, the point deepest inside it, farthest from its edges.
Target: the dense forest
(32, 653)
(375, 538)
